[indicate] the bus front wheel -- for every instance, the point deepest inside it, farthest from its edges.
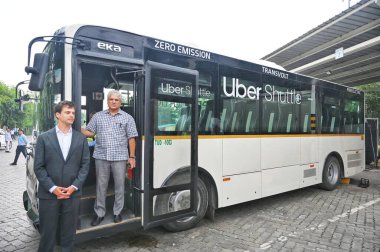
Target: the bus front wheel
(331, 174)
(174, 201)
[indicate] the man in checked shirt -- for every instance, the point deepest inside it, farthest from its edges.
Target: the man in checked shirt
(115, 130)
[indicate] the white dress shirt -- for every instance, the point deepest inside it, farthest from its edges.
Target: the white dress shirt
(64, 141)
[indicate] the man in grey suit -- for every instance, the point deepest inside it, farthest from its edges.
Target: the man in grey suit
(61, 165)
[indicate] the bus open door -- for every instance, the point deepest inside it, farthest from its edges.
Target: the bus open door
(170, 179)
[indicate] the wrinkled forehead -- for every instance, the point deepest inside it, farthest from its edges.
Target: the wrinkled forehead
(114, 97)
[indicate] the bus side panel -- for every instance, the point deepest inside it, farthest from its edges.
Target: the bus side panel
(210, 158)
(310, 167)
(350, 148)
(310, 174)
(280, 152)
(328, 144)
(278, 180)
(241, 155)
(309, 150)
(240, 188)
(354, 158)
(355, 162)
(280, 159)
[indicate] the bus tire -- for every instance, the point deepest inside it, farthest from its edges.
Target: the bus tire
(331, 174)
(189, 222)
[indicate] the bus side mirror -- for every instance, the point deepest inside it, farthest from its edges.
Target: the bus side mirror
(38, 71)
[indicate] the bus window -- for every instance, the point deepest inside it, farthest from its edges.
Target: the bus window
(240, 102)
(279, 107)
(53, 89)
(305, 108)
(353, 112)
(207, 118)
(172, 118)
(50, 96)
(181, 121)
(330, 119)
(206, 110)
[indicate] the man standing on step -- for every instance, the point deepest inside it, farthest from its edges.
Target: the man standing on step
(115, 130)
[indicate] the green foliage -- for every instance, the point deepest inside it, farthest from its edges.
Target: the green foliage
(10, 113)
(372, 99)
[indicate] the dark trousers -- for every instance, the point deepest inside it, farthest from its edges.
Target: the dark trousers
(20, 149)
(54, 214)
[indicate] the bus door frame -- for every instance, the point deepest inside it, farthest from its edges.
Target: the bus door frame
(149, 192)
(124, 63)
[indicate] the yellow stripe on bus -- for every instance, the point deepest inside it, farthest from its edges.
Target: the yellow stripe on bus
(280, 135)
(171, 137)
(256, 136)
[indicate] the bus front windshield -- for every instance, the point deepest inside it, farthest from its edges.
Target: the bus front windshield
(52, 92)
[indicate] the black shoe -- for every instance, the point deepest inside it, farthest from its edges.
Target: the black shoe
(117, 218)
(96, 221)
(13, 164)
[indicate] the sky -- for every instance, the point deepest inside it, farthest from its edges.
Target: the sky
(244, 29)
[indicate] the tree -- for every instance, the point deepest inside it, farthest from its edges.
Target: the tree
(10, 113)
(372, 98)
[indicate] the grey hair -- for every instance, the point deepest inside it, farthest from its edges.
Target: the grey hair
(113, 93)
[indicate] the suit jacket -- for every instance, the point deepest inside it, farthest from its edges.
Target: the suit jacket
(51, 168)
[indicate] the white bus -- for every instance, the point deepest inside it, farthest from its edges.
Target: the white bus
(213, 131)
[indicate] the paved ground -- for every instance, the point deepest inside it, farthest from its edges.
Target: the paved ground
(310, 219)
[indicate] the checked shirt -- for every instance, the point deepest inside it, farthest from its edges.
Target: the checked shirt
(112, 134)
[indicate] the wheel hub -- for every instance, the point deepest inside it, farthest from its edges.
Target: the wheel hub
(333, 173)
(179, 201)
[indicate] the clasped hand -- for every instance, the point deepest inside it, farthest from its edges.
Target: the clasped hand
(63, 192)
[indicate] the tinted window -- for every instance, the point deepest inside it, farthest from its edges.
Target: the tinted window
(173, 116)
(53, 88)
(353, 114)
(281, 102)
(240, 93)
(172, 106)
(206, 105)
(331, 115)
(307, 108)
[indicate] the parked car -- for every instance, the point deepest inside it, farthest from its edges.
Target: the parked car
(2, 139)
